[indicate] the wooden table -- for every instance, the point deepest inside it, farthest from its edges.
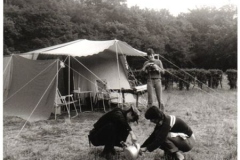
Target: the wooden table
(135, 91)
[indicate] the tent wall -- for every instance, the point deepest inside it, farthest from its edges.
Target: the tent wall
(7, 68)
(104, 66)
(32, 89)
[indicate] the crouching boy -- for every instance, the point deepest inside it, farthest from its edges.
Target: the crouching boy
(171, 134)
(113, 128)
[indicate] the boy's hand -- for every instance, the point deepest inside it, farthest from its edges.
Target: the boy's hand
(144, 149)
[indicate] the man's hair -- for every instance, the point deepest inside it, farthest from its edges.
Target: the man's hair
(154, 113)
(135, 114)
(150, 51)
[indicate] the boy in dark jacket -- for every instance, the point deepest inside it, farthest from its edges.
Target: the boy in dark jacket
(113, 128)
(171, 134)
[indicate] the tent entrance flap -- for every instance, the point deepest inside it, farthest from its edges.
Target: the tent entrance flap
(31, 81)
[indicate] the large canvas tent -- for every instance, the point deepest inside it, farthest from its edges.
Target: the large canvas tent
(29, 88)
(87, 60)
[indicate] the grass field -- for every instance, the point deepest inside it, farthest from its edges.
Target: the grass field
(212, 116)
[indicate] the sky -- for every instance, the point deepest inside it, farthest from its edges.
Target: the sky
(177, 6)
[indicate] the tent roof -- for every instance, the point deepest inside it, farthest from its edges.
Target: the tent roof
(83, 47)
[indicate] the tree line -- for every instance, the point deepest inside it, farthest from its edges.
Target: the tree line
(205, 37)
(188, 78)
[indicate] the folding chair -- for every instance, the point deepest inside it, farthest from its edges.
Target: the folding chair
(66, 101)
(103, 93)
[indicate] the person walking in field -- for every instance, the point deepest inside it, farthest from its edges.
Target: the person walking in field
(171, 134)
(113, 128)
(153, 67)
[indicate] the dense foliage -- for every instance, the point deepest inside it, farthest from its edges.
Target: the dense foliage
(203, 38)
(184, 78)
(232, 78)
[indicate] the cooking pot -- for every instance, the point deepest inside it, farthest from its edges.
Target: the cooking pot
(131, 152)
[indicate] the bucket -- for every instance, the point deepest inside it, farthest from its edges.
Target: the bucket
(131, 152)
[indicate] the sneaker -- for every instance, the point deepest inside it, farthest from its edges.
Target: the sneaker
(107, 156)
(179, 156)
(102, 154)
(113, 151)
(108, 153)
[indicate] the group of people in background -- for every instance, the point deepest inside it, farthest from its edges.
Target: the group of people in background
(171, 134)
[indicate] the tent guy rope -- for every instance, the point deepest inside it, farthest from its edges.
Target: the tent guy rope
(88, 69)
(36, 106)
(193, 78)
(190, 83)
(28, 82)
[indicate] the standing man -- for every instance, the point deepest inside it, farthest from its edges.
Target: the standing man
(153, 67)
(113, 128)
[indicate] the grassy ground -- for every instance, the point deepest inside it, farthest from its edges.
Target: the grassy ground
(212, 116)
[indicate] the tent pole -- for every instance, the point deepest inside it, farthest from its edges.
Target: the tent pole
(69, 75)
(58, 62)
(69, 84)
(118, 70)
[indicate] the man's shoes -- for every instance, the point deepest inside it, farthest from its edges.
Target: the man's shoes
(107, 156)
(113, 151)
(179, 156)
(108, 153)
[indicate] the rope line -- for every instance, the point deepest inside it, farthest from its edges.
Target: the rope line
(81, 75)
(193, 78)
(88, 70)
(36, 106)
(127, 64)
(119, 77)
(188, 74)
(92, 72)
(89, 79)
(215, 96)
(118, 68)
(28, 82)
